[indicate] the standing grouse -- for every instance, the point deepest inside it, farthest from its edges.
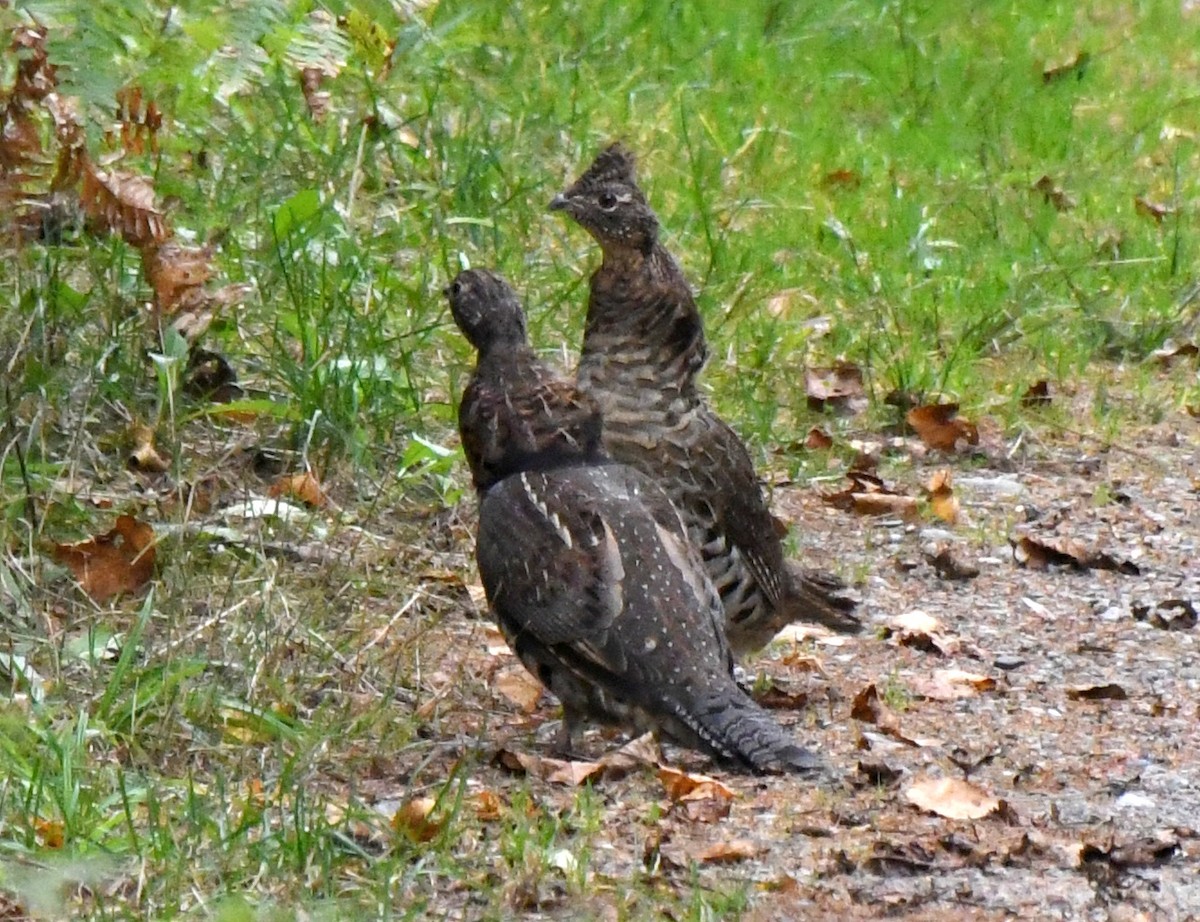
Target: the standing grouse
(643, 348)
(586, 565)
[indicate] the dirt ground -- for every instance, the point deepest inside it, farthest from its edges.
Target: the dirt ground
(1067, 698)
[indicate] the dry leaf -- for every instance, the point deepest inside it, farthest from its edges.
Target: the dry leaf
(870, 708)
(1168, 615)
(921, 631)
(952, 798)
(1037, 394)
(122, 203)
(843, 178)
(680, 784)
(937, 425)
(315, 98)
(729, 852)
(173, 270)
(638, 752)
(519, 687)
(145, 457)
(555, 771)
(414, 819)
(818, 439)
(1074, 65)
(304, 486)
(1170, 352)
(950, 684)
(948, 566)
(487, 805)
(1108, 691)
(941, 496)
(1149, 209)
(838, 388)
(121, 560)
(867, 495)
(1053, 195)
(1039, 554)
(50, 833)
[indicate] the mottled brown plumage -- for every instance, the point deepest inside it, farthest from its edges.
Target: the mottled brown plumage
(643, 348)
(586, 564)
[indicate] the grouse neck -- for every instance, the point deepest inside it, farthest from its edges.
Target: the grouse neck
(642, 324)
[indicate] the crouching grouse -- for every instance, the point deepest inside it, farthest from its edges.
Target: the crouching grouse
(643, 348)
(586, 565)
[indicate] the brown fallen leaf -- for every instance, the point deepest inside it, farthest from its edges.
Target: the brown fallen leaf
(555, 771)
(1150, 851)
(1053, 194)
(1107, 691)
(1168, 615)
(414, 819)
(729, 852)
(519, 687)
(921, 631)
(818, 439)
(950, 684)
(1170, 352)
(942, 500)
(679, 784)
(838, 388)
(879, 774)
(938, 427)
(841, 178)
(50, 833)
(870, 708)
(1037, 394)
(121, 560)
(952, 798)
(487, 805)
(868, 495)
(948, 566)
(144, 456)
(1042, 554)
(775, 698)
(1149, 209)
(637, 753)
(1075, 66)
(303, 486)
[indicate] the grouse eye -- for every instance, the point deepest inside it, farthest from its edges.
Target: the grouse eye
(607, 201)
(455, 289)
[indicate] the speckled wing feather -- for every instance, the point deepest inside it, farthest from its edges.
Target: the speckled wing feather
(602, 596)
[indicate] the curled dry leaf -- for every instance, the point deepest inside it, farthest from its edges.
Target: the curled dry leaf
(1170, 352)
(554, 771)
(1168, 615)
(1037, 394)
(1110, 691)
(145, 457)
(949, 684)
(1053, 194)
(121, 560)
(680, 784)
(1038, 554)
(948, 566)
(173, 269)
(870, 708)
(841, 178)
(1148, 209)
(818, 439)
(122, 203)
(415, 819)
(1075, 65)
(838, 388)
(952, 798)
(921, 631)
(868, 495)
(638, 752)
(941, 496)
(938, 427)
(303, 486)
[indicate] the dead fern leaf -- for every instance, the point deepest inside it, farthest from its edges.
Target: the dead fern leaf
(122, 203)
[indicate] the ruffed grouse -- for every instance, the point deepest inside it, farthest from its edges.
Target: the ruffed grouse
(586, 564)
(643, 348)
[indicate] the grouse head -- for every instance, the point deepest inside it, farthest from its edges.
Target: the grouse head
(608, 204)
(486, 309)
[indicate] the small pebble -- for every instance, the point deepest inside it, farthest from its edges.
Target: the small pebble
(1007, 661)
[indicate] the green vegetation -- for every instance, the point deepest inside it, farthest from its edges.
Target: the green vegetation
(848, 180)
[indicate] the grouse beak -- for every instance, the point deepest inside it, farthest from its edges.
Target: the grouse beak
(559, 203)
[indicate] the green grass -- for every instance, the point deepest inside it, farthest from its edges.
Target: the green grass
(221, 756)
